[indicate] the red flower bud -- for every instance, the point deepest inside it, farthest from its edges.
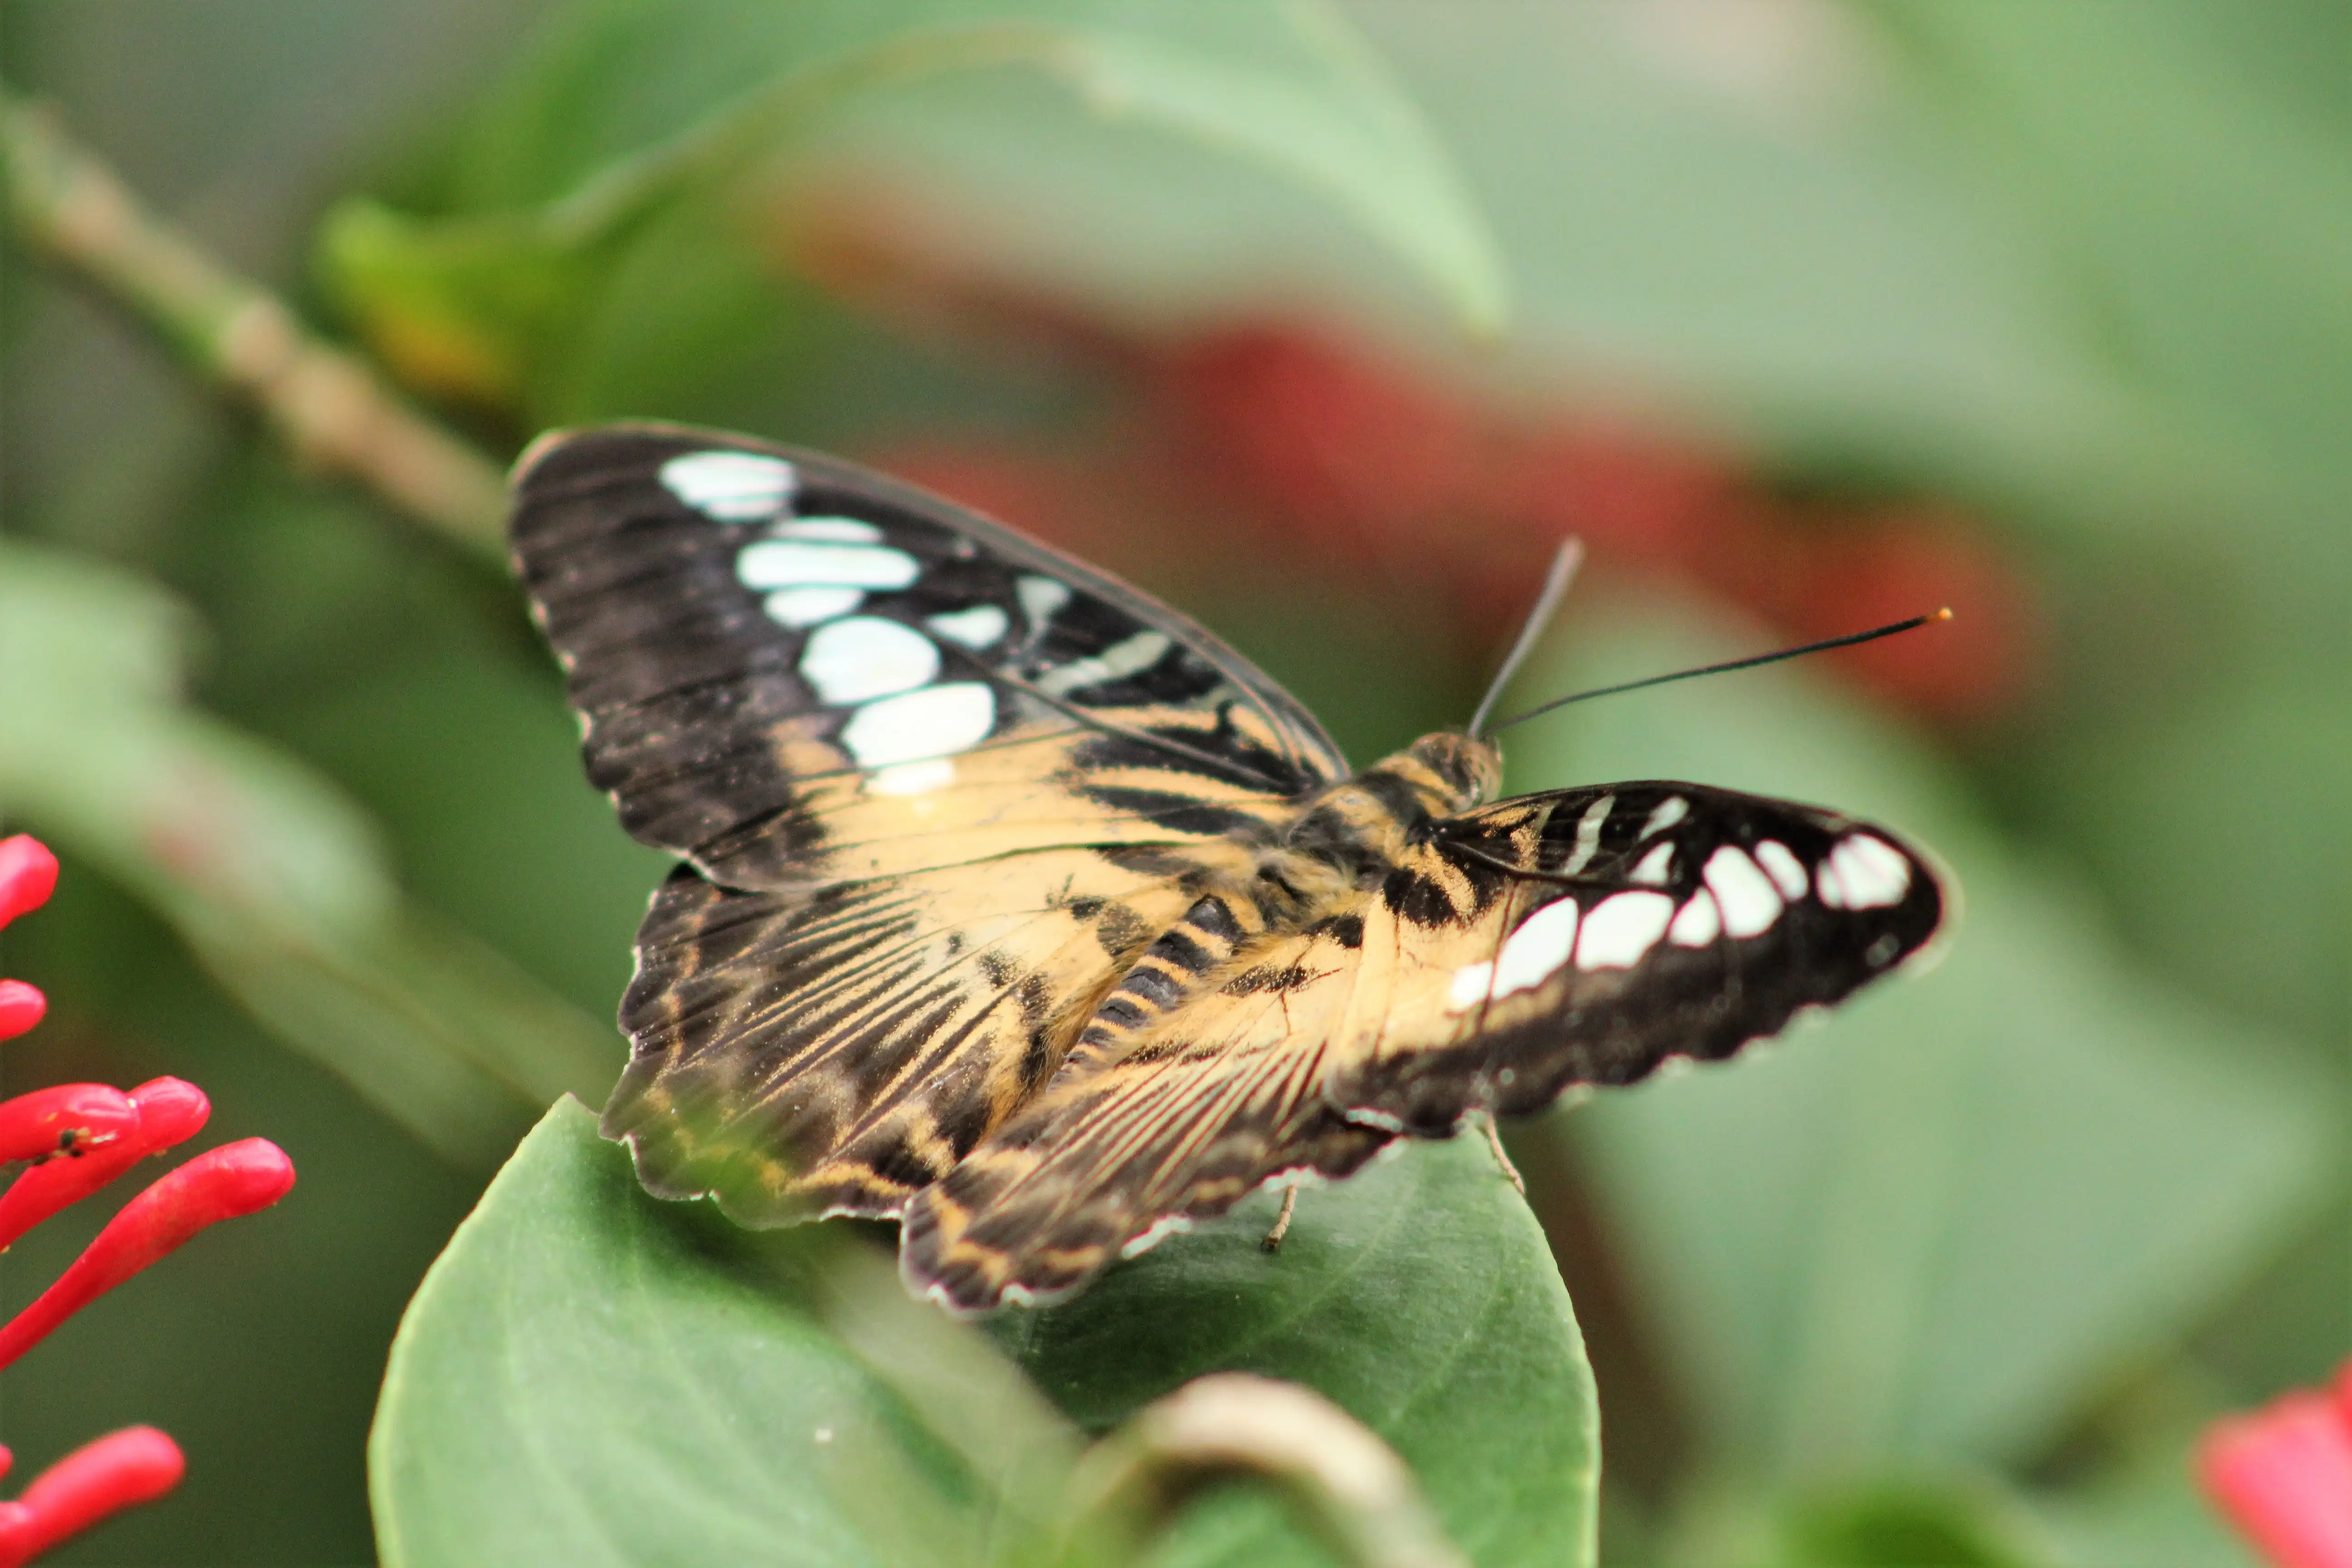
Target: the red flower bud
(21, 1006)
(220, 1184)
(94, 1145)
(28, 875)
(2283, 1476)
(171, 1110)
(93, 1483)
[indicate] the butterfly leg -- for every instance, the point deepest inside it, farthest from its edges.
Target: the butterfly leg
(1494, 1142)
(1272, 1242)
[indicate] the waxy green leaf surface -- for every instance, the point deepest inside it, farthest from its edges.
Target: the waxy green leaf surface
(590, 1375)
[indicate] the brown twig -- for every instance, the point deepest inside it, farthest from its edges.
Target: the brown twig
(331, 407)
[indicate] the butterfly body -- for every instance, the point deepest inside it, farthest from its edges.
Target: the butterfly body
(1018, 908)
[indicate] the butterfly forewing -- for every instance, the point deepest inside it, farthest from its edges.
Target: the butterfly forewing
(774, 653)
(936, 782)
(1649, 920)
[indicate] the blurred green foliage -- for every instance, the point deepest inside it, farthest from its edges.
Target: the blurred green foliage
(1952, 1279)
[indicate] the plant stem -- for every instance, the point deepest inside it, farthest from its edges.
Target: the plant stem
(331, 407)
(1333, 1472)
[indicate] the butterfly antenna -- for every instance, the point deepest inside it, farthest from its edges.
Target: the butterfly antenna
(1849, 640)
(1564, 563)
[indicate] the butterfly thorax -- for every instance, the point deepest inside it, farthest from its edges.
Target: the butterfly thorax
(1347, 838)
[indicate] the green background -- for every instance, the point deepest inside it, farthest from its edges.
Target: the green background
(1954, 1278)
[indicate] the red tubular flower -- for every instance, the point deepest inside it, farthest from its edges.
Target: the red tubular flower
(75, 1139)
(218, 1184)
(92, 1143)
(2283, 1476)
(93, 1483)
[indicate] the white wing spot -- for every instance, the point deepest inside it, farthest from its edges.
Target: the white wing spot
(935, 722)
(1130, 657)
(1669, 811)
(730, 487)
(1863, 873)
(1750, 902)
(865, 656)
(831, 529)
(1780, 864)
(976, 628)
(1588, 834)
(1700, 922)
(802, 563)
(1621, 928)
(1041, 597)
(1540, 945)
(1657, 867)
(798, 607)
(912, 778)
(1472, 984)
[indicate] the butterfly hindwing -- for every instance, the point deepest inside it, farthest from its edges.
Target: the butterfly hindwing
(1191, 1113)
(802, 1053)
(936, 786)
(1575, 936)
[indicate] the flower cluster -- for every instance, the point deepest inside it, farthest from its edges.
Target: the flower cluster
(2283, 1475)
(70, 1141)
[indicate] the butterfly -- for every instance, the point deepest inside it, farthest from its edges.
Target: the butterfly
(1017, 906)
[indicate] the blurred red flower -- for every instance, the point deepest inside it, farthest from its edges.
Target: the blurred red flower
(1262, 434)
(2283, 1475)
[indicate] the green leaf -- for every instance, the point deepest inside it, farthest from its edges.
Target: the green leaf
(591, 1375)
(1927, 1230)
(627, 108)
(1420, 1296)
(456, 310)
(273, 878)
(1750, 222)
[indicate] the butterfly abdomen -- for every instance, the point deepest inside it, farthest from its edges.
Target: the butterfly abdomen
(1199, 946)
